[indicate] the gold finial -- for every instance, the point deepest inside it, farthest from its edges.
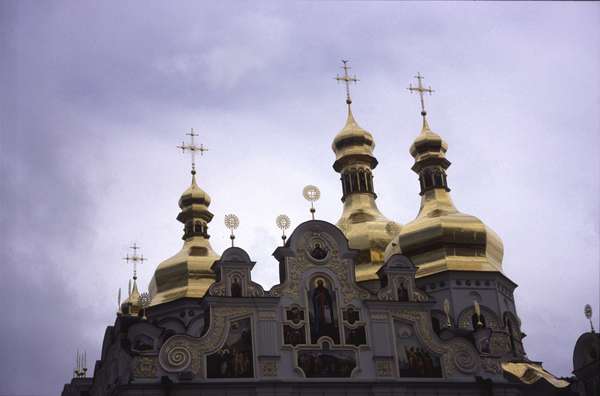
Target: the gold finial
(347, 80)
(144, 301)
(135, 259)
(421, 90)
(311, 193)
(283, 223)
(232, 222)
(588, 314)
(447, 312)
(478, 313)
(193, 148)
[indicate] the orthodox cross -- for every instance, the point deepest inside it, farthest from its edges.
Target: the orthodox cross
(193, 148)
(347, 80)
(421, 90)
(134, 258)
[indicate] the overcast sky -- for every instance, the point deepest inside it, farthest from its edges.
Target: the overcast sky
(94, 97)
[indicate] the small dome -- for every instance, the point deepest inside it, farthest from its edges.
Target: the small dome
(352, 143)
(188, 273)
(194, 195)
(236, 254)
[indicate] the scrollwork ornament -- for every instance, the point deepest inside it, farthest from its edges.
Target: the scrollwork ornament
(178, 358)
(491, 365)
(385, 294)
(183, 352)
(465, 362)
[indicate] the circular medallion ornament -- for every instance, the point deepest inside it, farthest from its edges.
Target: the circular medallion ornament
(145, 300)
(311, 193)
(232, 221)
(283, 222)
(588, 311)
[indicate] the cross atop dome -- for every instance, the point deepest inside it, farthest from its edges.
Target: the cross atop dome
(135, 259)
(193, 148)
(420, 89)
(347, 80)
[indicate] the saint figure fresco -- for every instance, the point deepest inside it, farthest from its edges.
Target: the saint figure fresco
(322, 311)
(293, 336)
(402, 292)
(236, 287)
(414, 360)
(326, 363)
(318, 252)
(235, 358)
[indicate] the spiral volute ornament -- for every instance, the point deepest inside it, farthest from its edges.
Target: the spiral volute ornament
(176, 358)
(465, 361)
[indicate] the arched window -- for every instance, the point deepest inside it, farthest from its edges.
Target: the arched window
(363, 181)
(370, 182)
(347, 183)
(351, 183)
(438, 181)
(427, 178)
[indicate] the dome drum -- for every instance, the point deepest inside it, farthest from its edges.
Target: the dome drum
(352, 157)
(194, 212)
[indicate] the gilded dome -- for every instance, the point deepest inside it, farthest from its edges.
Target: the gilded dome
(352, 143)
(441, 238)
(194, 194)
(188, 273)
(366, 228)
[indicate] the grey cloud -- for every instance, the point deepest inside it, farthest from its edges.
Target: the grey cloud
(96, 96)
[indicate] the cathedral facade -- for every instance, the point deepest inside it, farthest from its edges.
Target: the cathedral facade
(367, 306)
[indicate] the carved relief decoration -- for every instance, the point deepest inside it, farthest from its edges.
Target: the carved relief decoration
(145, 366)
(491, 365)
(269, 368)
(249, 288)
(303, 261)
(457, 355)
(500, 343)
(186, 353)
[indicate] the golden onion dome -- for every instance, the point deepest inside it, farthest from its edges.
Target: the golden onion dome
(366, 228)
(194, 195)
(441, 238)
(188, 273)
(353, 143)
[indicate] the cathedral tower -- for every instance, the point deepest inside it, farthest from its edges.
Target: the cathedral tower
(458, 257)
(366, 228)
(188, 273)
